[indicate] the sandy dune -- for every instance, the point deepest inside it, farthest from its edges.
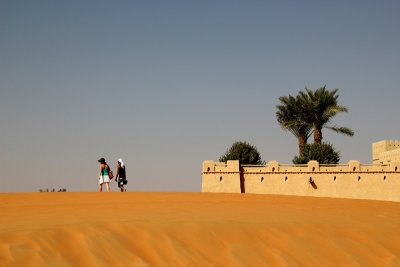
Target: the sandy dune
(195, 229)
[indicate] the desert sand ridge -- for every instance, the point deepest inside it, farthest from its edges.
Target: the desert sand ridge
(196, 229)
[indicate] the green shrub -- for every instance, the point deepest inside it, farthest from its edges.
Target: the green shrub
(244, 152)
(323, 153)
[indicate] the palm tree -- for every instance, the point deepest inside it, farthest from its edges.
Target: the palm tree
(293, 116)
(323, 106)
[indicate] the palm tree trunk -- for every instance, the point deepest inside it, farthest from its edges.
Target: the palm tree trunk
(302, 142)
(317, 135)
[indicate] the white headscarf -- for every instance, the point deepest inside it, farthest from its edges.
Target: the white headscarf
(120, 161)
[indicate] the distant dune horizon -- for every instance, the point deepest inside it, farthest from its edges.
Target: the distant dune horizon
(195, 229)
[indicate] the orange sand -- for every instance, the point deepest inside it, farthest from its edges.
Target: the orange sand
(195, 229)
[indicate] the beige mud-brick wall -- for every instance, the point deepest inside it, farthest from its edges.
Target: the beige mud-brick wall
(381, 154)
(390, 156)
(221, 177)
(352, 180)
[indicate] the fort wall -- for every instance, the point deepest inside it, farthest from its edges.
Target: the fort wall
(353, 180)
(378, 181)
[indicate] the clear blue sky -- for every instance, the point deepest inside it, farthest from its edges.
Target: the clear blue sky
(168, 84)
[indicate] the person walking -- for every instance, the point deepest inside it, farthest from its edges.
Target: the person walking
(120, 177)
(104, 175)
